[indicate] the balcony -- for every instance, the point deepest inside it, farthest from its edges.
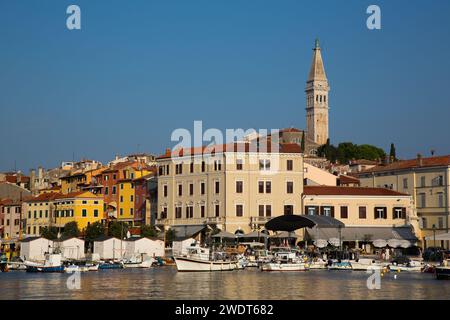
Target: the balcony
(215, 220)
(259, 220)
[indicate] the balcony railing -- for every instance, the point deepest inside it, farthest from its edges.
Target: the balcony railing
(215, 220)
(260, 220)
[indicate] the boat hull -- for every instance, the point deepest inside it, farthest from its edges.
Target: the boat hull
(193, 265)
(442, 273)
(45, 269)
(284, 267)
(109, 266)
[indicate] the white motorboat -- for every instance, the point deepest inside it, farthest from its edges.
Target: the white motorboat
(198, 259)
(146, 263)
(317, 264)
(76, 268)
(286, 260)
(364, 264)
(412, 266)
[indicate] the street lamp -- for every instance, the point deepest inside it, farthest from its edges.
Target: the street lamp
(434, 240)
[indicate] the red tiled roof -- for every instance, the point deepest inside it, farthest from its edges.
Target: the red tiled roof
(348, 179)
(363, 162)
(45, 197)
(349, 191)
(231, 147)
(411, 164)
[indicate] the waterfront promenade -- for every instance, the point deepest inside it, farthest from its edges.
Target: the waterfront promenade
(167, 283)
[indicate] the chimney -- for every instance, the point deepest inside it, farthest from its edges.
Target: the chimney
(168, 152)
(419, 160)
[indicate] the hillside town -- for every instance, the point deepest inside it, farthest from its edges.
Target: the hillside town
(232, 190)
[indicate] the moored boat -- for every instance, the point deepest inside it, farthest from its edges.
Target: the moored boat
(52, 263)
(110, 265)
(340, 265)
(198, 259)
(442, 272)
(286, 259)
(366, 264)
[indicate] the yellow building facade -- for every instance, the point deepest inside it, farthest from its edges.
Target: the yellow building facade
(82, 207)
(39, 212)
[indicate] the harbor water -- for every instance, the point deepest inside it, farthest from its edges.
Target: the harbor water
(250, 284)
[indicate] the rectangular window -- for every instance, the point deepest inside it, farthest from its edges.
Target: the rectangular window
(261, 186)
(268, 187)
(380, 213)
(84, 202)
(160, 171)
(131, 198)
(405, 183)
(239, 164)
(289, 187)
(362, 212)
(121, 198)
(29, 214)
(180, 190)
(164, 213)
(264, 164)
(217, 165)
(288, 209)
(239, 210)
(40, 214)
(191, 189)
(422, 200)
(217, 187)
(121, 186)
(440, 200)
(326, 211)
(191, 167)
(178, 213)
(202, 211)
(95, 213)
(311, 210)
(261, 210)
(268, 210)
(239, 187)
(217, 210)
(167, 169)
(35, 214)
(441, 223)
(202, 188)
(84, 213)
(165, 190)
(203, 166)
(424, 223)
(422, 181)
(106, 190)
(344, 212)
(290, 165)
(114, 190)
(46, 213)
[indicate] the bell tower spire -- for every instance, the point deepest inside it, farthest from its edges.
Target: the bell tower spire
(317, 89)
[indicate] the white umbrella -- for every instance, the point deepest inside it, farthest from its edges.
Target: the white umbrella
(321, 243)
(334, 242)
(393, 243)
(380, 243)
(405, 244)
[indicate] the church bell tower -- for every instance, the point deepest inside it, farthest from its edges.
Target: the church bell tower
(317, 89)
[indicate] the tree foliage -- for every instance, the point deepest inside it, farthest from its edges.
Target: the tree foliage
(392, 153)
(94, 230)
(50, 233)
(148, 231)
(347, 151)
(118, 229)
(170, 236)
(71, 230)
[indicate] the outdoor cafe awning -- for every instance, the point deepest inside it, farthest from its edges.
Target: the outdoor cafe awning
(187, 231)
(285, 235)
(254, 235)
(365, 234)
(291, 223)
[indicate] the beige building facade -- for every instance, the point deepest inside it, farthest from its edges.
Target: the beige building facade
(427, 181)
(39, 212)
(229, 189)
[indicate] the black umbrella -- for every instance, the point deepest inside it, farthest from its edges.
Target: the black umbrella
(291, 223)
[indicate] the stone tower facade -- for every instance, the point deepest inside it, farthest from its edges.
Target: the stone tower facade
(317, 89)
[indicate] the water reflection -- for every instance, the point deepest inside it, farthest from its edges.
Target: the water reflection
(167, 283)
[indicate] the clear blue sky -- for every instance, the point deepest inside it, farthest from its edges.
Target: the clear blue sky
(139, 69)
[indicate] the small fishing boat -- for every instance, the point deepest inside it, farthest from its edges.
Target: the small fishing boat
(92, 266)
(412, 266)
(339, 265)
(52, 263)
(110, 265)
(199, 259)
(366, 264)
(317, 264)
(442, 272)
(139, 262)
(286, 260)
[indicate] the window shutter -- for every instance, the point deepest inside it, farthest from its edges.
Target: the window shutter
(332, 211)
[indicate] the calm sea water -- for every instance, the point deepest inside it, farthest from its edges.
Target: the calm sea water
(252, 284)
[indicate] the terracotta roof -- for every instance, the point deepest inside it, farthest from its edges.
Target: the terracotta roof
(230, 147)
(349, 191)
(291, 130)
(412, 164)
(348, 179)
(77, 194)
(363, 162)
(45, 197)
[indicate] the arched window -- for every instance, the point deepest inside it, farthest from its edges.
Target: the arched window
(320, 99)
(324, 98)
(317, 98)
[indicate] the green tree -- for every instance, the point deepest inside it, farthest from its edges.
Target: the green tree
(71, 230)
(302, 145)
(369, 152)
(94, 231)
(117, 229)
(148, 231)
(170, 236)
(50, 233)
(347, 151)
(392, 153)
